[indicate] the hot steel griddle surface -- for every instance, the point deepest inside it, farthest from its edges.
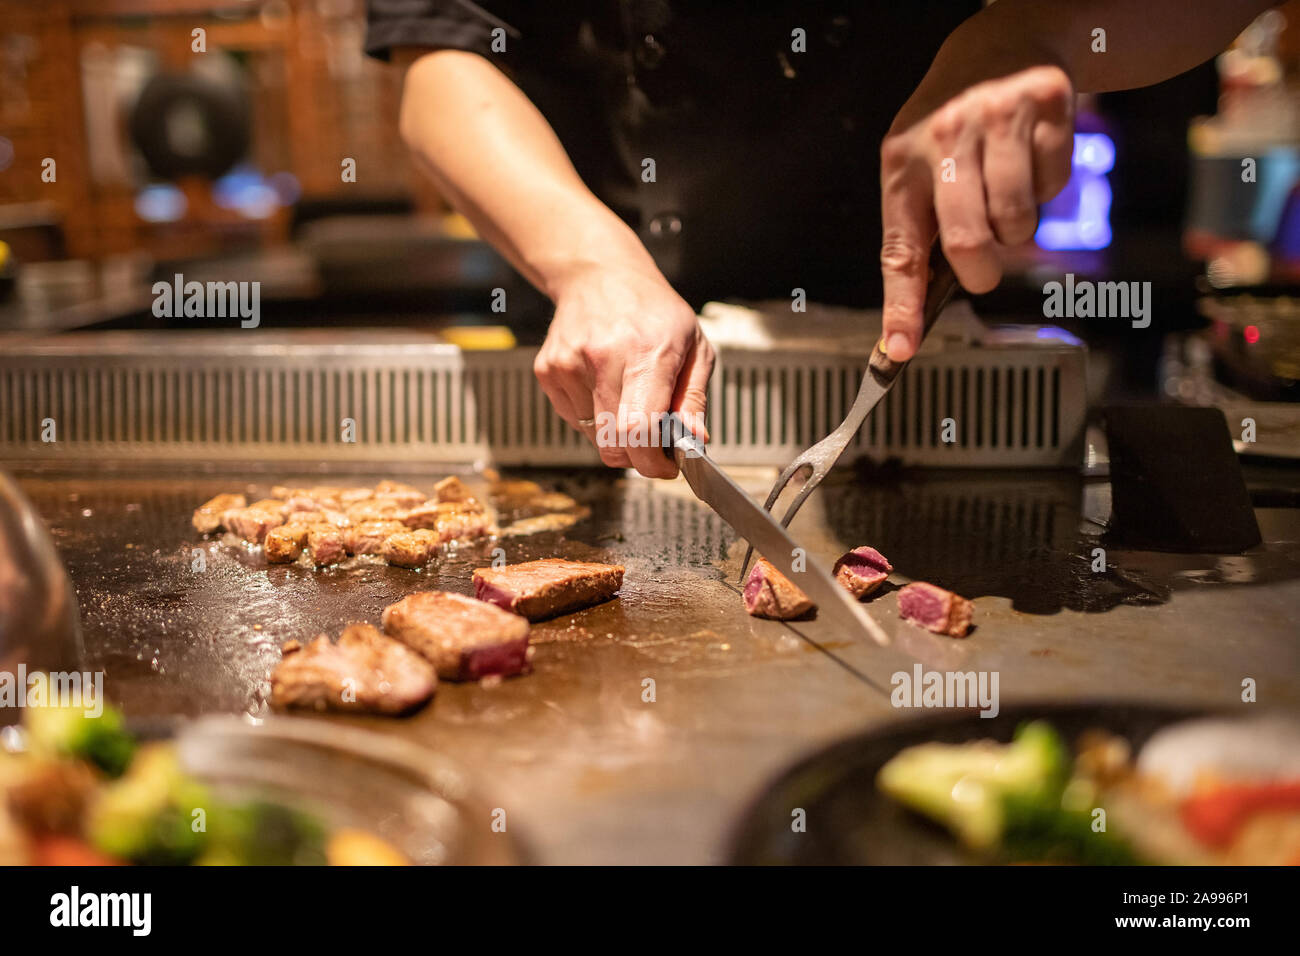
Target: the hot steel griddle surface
(592, 768)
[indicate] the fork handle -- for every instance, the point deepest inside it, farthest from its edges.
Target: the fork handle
(938, 291)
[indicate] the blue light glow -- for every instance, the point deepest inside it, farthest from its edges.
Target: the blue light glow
(1079, 218)
(161, 202)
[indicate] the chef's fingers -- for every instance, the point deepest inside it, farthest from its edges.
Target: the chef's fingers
(691, 396)
(1053, 132)
(959, 204)
(1009, 172)
(907, 229)
(553, 380)
(647, 393)
(605, 394)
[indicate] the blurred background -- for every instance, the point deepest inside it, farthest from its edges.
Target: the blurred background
(230, 164)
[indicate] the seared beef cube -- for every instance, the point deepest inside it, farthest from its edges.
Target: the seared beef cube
(935, 609)
(273, 505)
(305, 518)
(368, 537)
(285, 543)
(375, 509)
(862, 570)
(463, 526)
(770, 594)
(545, 588)
(514, 489)
(252, 523)
(410, 549)
(325, 544)
(364, 671)
(405, 496)
(464, 638)
(426, 515)
(351, 496)
(207, 517)
(452, 489)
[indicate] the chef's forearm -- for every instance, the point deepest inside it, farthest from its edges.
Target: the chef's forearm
(497, 160)
(1144, 42)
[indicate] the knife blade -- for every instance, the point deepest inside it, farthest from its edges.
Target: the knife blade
(716, 489)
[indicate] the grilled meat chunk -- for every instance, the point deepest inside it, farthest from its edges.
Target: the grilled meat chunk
(405, 496)
(410, 549)
(452, 489)
(464, 638)
(336, 518)
(862, 570)
(545, 588)
(375, 509)
(325, 544)
(285, 543)
(770, 594)
(935, 609)
(463, 526)
(252, 523)
(207, 517)
(427, 515)
(364, 671)
(368, 537)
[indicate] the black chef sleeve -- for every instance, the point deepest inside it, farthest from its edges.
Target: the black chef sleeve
(437, 24)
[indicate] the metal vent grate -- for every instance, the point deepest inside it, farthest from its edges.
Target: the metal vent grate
(211, 397)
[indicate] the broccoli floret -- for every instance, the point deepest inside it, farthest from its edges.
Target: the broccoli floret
(963, 786)
(1040, 829)
(59, 731)
(148, 815)
(264, 834)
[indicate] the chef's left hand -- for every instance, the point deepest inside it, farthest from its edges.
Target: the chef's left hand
(972, 161)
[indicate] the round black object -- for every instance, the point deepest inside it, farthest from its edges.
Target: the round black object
(188, 125)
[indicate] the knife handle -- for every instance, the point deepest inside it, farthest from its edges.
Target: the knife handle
(938, 291)
(675, 436)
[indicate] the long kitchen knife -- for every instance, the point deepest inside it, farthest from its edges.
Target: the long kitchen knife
(713, 486)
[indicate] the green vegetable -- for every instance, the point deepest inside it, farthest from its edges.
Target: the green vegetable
(964, 786)
(1042, 830)
(148, 816)
(58, 731)
(263, 834)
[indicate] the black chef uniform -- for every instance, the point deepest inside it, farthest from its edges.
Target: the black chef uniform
(763, 121)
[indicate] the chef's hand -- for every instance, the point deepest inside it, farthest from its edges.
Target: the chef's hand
(972, 161)
(623, 350)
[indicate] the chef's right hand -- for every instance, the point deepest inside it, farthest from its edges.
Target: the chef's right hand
(623, 350)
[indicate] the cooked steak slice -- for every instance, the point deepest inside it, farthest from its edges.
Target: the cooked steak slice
(464, 638)
(935, 609)
(325, 544)
(770, 594)
(862, 570)
(252, 523)
(368, 537)
(285, 543)
(207, 517)
(452, 489)
(364, 671)
(410, 549)
(545, 588)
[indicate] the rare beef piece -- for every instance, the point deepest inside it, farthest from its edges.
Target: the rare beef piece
(325, 544)
(545, 588)
(207, 517)
(364, 671)
(304, 518)
(410, 549)
(464, 638)
(862, 570)
(404, 496)
(285, 543)
(935, 609)
(375, 509)
(368, 537)
(770, 594)
(252, 523)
